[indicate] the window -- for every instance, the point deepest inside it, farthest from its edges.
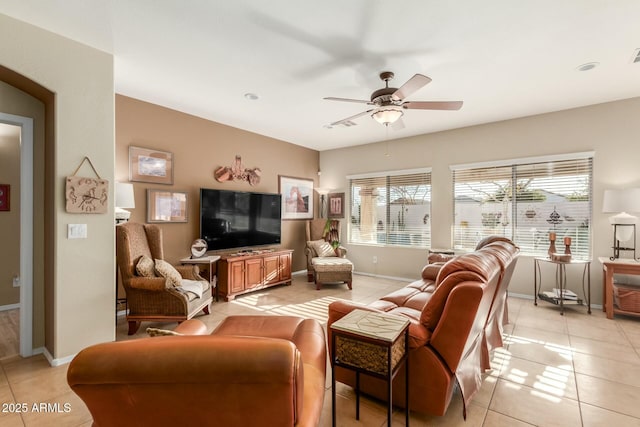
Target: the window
(391, 208)
(524, 201)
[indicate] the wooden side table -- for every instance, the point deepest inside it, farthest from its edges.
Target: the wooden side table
(210, 262)
(372, 343)
(617, 266)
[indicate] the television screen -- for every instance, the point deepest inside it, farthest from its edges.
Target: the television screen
(236, 219)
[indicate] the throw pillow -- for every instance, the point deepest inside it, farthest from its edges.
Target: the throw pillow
(145, 267)
(167, 271)
(155, 332)
(323, 249)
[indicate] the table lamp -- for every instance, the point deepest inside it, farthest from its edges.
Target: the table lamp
(124, 199)
(621, 202)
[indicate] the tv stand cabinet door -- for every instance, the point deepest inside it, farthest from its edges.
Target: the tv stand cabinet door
(271, 269)
(285, 267)
(236, 277)
(253, 273)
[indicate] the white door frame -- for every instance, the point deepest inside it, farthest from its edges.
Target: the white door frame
(26, 229)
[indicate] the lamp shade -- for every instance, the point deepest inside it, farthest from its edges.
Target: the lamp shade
(124, 195)
(621, 200)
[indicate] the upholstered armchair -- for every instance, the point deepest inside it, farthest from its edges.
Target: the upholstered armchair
(151, 298)
(326, 259)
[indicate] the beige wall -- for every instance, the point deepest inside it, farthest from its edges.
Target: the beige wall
(80, 310)
(10, 221)
(608, 129)
(200, 146)
(16, 102)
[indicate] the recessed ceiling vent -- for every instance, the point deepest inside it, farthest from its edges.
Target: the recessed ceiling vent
(348, 123)
(636, 56)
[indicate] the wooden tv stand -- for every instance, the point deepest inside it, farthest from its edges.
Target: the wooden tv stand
(240, 273)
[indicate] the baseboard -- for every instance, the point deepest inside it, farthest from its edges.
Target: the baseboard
(9, 307)
(402, 279)
(56, 362)
(299, 272)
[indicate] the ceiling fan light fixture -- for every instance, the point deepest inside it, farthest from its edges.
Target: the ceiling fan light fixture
(386, 116)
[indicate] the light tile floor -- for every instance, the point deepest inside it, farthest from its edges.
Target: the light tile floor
(570, 370)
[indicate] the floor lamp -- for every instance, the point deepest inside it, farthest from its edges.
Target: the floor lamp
(621, 202)
(323, 200)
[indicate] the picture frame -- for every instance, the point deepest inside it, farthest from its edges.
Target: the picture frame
(5, 197)
(297, 197)
(167, 206)
(149, 165)
(335, 205)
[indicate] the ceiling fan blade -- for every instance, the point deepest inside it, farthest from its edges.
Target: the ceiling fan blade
(359, 101)
(410, 86)
(432, 105)
(352, 117)
(398, 124)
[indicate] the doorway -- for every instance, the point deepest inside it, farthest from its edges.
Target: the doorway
(24, 278)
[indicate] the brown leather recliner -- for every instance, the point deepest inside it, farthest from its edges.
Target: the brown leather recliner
(450, 309)
(251, 371)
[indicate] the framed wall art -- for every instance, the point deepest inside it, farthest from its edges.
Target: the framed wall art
(153, 166)
(166, 206)
(297, 197)
(5, 197)
(335, 205)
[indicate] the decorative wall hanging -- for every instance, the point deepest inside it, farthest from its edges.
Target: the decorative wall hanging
(147, 165)
(166, 206)
(5, 193)
(86, 195)
(237, 172)
(336, 205)
(297, 197)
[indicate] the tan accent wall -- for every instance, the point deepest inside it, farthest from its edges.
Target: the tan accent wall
(10, 220)
(608, 129)
(79, 274)
(17, 102)
(200, 146)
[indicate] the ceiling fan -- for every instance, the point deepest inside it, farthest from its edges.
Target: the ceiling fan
(389, 101)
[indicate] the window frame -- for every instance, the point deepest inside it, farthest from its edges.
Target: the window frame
(517, 169)
(387, 177)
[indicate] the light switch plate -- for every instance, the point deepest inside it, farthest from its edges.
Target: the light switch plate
(76, 231)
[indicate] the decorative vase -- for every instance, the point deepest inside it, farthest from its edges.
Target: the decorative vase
(567, 245)
(552, 244)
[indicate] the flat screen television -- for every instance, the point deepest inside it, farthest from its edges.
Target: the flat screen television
(238, 219)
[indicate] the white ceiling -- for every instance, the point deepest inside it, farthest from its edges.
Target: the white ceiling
(503, 58)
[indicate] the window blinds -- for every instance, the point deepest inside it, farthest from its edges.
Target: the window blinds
(391, 209)
(524, 202)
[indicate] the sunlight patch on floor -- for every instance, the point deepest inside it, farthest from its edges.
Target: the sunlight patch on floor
(314, 309)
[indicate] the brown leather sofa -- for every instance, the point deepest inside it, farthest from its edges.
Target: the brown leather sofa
(455, 311)
(251, 371)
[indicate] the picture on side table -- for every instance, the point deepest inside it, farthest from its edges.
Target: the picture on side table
(336, 205)
(147, 165)
(166, 206)
(297, 197)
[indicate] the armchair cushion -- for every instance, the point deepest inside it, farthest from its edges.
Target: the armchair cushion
(145, 267)
(167, 271)
(322, 248)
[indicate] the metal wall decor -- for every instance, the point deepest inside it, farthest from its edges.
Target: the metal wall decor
(237, 172)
